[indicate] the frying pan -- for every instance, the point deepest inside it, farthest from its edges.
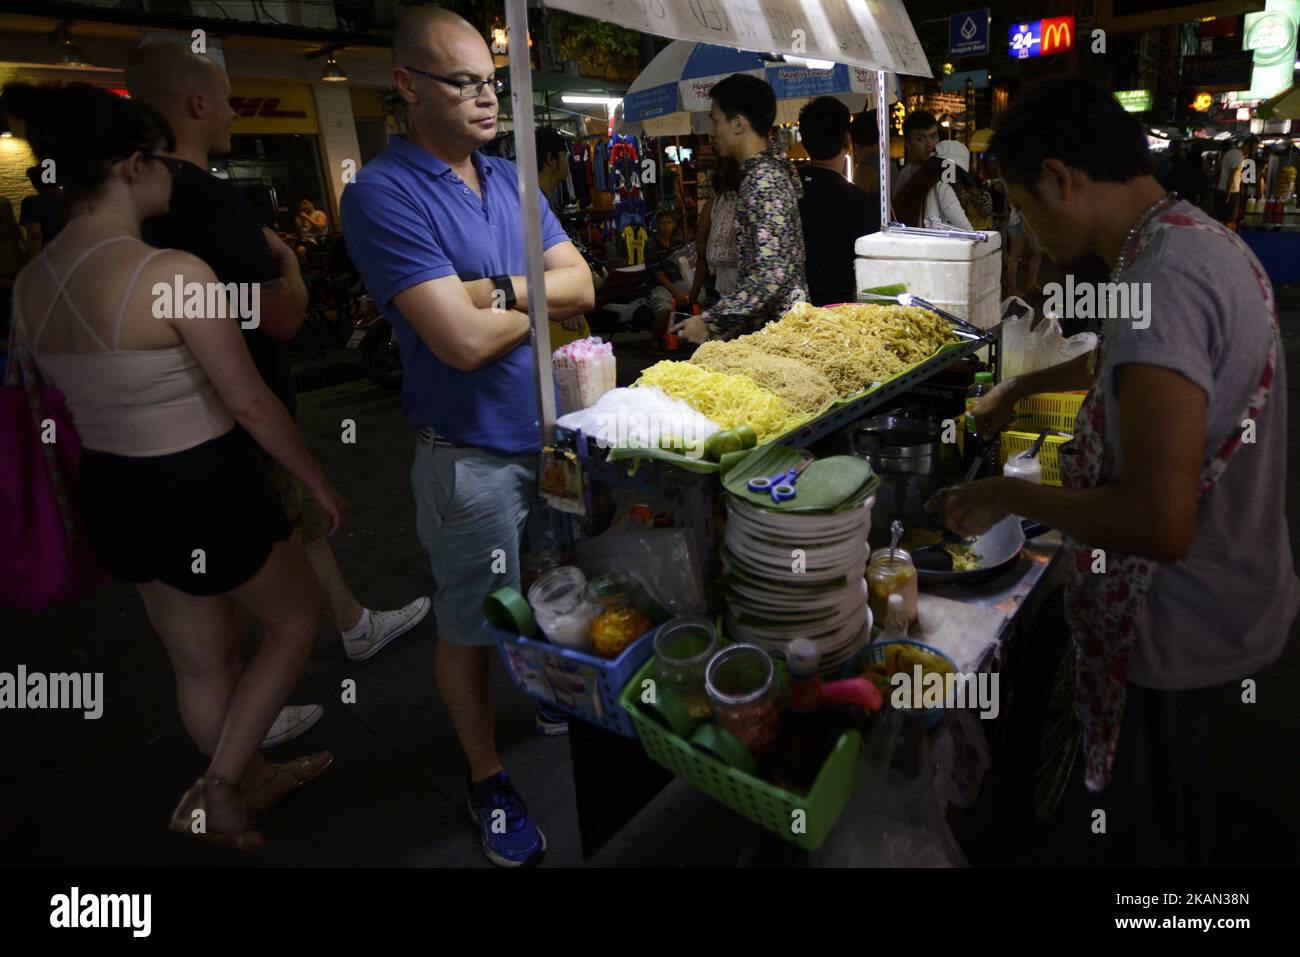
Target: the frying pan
(903, 497)
(998, 549)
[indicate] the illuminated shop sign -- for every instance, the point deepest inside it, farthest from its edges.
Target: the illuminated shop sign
(1135, 101)
(1040, 37)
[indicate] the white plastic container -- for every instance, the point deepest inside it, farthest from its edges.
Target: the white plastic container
(962, 276)
(1021, 467)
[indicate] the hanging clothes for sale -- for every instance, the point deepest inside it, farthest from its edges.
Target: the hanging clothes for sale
(580, 171)
(600, 166)
(635, 238)
(625, 161)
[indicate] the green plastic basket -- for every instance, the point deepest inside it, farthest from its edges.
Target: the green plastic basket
(766, 805)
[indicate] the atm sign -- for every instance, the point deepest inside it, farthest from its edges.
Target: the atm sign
(1041, 37)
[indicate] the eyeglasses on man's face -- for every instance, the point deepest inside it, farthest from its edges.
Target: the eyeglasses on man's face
(468, 88)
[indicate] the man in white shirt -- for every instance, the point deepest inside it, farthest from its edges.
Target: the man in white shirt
(1230, 170)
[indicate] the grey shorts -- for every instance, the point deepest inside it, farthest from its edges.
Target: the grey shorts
(661, 300)
(471, 510)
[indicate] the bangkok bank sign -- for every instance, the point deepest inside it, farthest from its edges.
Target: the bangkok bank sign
(1040, 37)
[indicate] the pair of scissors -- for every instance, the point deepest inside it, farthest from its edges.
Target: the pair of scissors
(781, 485)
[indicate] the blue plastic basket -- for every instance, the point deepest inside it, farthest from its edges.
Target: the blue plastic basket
(578, 684)
(876, 654)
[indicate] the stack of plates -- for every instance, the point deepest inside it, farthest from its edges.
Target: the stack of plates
(798, 575)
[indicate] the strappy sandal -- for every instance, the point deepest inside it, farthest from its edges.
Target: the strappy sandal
(260, 799)
(191, 816)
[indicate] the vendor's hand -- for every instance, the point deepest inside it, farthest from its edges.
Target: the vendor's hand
(573, 323)
(692, 329)
(997, 407)
(974, 508)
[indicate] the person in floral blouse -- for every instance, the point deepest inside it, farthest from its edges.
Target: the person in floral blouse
(769, 235)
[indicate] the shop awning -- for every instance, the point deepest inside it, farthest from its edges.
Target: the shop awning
(876, 35)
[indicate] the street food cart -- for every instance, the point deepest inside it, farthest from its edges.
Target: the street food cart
(612, 776)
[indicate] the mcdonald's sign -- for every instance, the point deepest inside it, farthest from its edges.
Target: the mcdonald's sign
(1058, 35)
(1032, 38)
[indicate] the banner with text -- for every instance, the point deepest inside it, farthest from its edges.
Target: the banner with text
(875, 34)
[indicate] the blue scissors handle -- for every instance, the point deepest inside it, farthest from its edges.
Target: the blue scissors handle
(781, 485)
(783, 491)
(762, 484)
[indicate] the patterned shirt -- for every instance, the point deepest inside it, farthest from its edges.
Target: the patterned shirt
(769, 240)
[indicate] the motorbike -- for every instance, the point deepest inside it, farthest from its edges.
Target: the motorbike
(380, 359)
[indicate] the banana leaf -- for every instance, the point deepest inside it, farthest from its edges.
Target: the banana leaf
(826, 485)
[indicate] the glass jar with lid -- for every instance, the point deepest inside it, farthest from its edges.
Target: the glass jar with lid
(891, 571)
(622, 613)
(559, 602)
(683, 648)
(745, 697)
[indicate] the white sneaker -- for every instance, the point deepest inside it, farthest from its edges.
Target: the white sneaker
(292, 721)
(384, 627)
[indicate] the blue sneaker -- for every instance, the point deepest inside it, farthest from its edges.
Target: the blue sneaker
(551, 722)
(510, 838)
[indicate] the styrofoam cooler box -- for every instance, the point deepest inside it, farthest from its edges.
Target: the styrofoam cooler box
(962, 276)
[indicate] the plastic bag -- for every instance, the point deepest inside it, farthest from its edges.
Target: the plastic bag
(664, 560)
(1016, 328)
(641, 418)
(1028, 348)
(891, 820)
(1049, 347)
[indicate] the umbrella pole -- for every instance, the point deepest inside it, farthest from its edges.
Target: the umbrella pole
(521, 97)
(882, 132)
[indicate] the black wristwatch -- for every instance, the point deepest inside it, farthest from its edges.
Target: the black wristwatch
(507, 286)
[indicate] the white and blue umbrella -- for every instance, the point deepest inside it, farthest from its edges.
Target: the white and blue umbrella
(671, 95)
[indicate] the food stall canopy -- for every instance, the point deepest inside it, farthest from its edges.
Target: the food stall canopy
(670, 97)
(873, 34)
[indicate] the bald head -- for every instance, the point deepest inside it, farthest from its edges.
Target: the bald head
(421, 33)
(190, 89)
(163, 74)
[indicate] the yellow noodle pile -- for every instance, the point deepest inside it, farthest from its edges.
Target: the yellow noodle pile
(797, 382)
(854, 345)
(729, 400)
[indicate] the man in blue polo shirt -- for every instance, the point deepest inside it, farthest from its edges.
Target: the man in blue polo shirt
(436, 230)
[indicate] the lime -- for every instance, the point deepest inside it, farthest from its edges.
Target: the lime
(720, 443)
(748, 437)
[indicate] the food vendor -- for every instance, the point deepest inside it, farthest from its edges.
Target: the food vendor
(769, 237)
(1181, 580)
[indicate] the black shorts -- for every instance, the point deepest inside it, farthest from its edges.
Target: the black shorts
(202, 520)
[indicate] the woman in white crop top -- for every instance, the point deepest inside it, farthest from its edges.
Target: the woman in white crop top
(170, 492)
